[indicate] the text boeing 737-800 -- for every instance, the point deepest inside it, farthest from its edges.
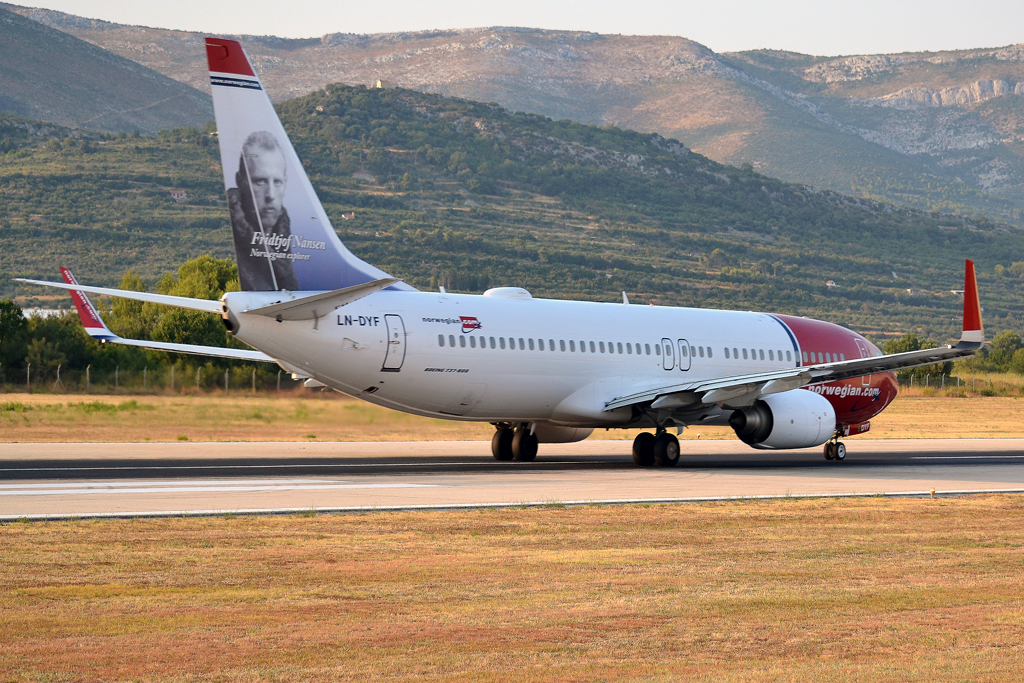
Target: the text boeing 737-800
(540, 370)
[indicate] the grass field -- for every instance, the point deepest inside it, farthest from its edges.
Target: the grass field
(808, 590)
(306, 416)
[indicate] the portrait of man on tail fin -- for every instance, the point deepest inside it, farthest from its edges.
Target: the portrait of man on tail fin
(259, 222)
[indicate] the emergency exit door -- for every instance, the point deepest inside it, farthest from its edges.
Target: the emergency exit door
(395, 354)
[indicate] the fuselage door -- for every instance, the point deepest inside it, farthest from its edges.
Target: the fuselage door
(394, 356)
(684, 355)
(866, 379)
(668, 359)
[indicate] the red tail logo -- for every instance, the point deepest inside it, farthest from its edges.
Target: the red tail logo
(470, 323)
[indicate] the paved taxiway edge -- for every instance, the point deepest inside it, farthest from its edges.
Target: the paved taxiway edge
(254, 512)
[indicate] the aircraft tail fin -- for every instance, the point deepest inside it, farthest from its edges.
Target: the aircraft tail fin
(283, 238)
(973, 332)
(91, 320)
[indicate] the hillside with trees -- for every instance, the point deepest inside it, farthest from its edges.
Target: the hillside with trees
(448, 192)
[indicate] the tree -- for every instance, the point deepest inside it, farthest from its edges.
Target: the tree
(1002, 350)
(13, 329)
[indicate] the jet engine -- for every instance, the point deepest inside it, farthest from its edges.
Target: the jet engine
(791, 419)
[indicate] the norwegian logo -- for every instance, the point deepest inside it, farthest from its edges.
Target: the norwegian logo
(470, 323)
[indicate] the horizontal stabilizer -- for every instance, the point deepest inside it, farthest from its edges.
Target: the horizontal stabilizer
(319, 305)
(97, 329)
(207, 305)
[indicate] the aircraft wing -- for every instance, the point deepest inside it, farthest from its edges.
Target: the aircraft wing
(740, 390)
(97, 329)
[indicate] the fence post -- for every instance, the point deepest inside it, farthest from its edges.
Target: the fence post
(55, 384)
(145, 371)
(28, 377)
(198, 370)
(172, 378)
(279, 381)
(87, 382)
(943, 380)
(226, 381)
(117, 377)
(254, 380)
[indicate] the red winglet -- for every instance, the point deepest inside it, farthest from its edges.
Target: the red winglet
(227, 57)
(972, 329)
(91, 319)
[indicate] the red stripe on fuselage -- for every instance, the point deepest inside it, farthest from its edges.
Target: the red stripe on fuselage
(855, 400)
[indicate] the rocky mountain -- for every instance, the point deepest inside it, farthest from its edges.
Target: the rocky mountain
(939, 131)
(52, 76)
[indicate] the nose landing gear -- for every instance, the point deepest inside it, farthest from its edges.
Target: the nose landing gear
(835, 450)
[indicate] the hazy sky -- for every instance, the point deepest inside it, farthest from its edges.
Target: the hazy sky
(820, 27)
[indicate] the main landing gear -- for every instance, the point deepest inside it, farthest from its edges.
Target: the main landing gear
(835, 449)
(514, 443)
(661, 448)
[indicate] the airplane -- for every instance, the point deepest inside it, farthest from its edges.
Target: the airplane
(540, 370)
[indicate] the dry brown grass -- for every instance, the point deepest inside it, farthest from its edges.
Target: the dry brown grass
(333, 417)
(809, 590)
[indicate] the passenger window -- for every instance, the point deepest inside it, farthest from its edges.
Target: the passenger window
(842, 356)
(551, 344)
(618, 345)
(668, 350)
(685, 351)
(593, 349)
(789, 356)
(572, 345)
(629, 348)
(693, 351)
(771, 355)
(701, 349)
(744, 354)
(502, 340)
(451, 340)
(462, 342)
(440, 340)
(540, 344)
(820, 359)
(561, 345)
(778, 354)
(648, 348)
(492, 342)
(735, 353)
(726, 351)
(472, 342)
(709, 352)
(805, 357)
(601, 344)
(531, 343)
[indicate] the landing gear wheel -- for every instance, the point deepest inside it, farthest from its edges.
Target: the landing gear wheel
(643, 449)
(830, 451)
(666, 450)
(524, 445)
(501, 444)
(839, 451)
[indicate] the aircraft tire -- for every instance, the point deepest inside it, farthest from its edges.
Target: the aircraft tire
(643, 449)
(839, 452)
(830, 452)
(666, 450)
(501, 444)
(524, 446)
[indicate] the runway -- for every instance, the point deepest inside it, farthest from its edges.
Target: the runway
(90, 480)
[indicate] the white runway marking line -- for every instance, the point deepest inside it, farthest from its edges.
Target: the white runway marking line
(213, 486)
(271, 467)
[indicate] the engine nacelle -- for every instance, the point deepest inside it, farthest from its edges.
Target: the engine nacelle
(791, 419)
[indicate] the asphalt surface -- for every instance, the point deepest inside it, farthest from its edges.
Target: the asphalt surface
(42, 480)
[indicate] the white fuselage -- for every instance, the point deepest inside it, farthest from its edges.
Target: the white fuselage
(498, 359)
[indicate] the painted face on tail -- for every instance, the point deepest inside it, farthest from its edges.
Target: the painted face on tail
(267, 173)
